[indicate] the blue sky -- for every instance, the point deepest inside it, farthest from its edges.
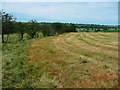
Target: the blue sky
(77, 12)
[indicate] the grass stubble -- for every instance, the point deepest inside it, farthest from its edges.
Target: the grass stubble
(72, 60)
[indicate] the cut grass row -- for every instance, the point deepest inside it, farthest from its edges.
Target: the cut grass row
(62, 57)
(57, 62)
(99, 56)
(85, 39)
(102, 40)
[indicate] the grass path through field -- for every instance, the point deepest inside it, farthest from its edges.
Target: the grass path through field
(77, 60)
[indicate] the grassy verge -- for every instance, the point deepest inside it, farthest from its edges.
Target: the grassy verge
(18, 72)
(15, 66)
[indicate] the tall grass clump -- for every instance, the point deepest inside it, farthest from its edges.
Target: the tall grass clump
(17, 71)
(15, 66)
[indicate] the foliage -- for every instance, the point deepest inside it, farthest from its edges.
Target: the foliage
(57, 27)
(32, 28)
(21, 29)
(72, 28)
(47, 30)
(7, 24)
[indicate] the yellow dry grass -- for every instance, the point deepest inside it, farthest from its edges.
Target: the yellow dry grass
(78, 60)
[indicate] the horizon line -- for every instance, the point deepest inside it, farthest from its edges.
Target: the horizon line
(68, 22)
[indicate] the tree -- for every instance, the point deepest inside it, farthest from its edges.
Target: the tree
(57, 27)
(47, 30)
(72, 28)
(7, 24)
(65, 28)
(32, 28)
(97, 30)
(105, 29)
(21, 29)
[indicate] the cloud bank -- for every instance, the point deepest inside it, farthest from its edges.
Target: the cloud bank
(78, 12)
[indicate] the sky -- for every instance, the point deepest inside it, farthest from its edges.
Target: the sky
(60, 0)
(71, 12)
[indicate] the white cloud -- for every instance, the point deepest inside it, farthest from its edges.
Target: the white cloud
(74, 12)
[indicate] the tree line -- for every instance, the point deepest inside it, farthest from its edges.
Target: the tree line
(95, 28)
(32, 27)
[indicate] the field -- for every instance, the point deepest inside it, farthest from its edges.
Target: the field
(70, 60)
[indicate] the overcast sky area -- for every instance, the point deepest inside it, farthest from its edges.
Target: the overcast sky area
(60, 0)
(74, 12)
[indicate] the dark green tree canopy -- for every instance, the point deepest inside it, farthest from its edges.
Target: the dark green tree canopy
(8, 26)
(32, 28)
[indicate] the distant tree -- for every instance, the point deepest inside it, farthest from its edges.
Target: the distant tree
(105, 29)
(97, 30)
(47, 30)
(32, 28)
(8, 25)
(21, 28)
(115, 28)
(65, 28)
(72, 28)
(57, 27)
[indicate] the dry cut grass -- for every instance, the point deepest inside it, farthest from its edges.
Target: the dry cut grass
(77, 60)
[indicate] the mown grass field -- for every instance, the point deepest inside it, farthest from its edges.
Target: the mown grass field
(71, 60)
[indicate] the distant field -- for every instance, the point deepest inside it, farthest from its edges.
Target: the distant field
(71, 60)
(84, 60)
